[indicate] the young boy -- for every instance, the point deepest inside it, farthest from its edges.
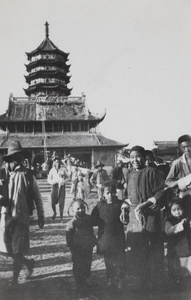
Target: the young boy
(111, 238)
(81, 240)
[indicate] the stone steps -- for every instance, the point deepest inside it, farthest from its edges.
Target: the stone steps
(45, 187)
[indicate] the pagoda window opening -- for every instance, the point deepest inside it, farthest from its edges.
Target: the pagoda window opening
(84, 126)
(67, 127)
(49, 127)
(29, 127)
(38, 127)
(20, 127)
(75, 126)
(12, 128)
(57, 127)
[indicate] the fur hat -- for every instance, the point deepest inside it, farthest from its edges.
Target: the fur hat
(13, 148)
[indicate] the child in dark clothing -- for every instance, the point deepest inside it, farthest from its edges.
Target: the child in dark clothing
(81, 240)
(178, 231)
(111, 238)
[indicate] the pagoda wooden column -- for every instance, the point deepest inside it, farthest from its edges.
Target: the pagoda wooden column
(92, 159)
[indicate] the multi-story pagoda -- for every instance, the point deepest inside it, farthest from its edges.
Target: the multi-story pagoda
(48, 119)
(48, 71)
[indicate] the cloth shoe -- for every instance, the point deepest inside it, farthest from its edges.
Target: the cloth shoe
(30, 268)
(54, 216)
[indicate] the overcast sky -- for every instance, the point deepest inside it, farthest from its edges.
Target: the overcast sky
(132, 57)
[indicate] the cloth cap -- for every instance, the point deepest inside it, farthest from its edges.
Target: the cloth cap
(184, 138)
(99, 164)
(139, 149)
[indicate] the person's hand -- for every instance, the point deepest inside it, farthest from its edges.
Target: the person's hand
(140, 207)
(61, 181)
(41, 222)
(124, 216)
(99, 186)
(184, 222)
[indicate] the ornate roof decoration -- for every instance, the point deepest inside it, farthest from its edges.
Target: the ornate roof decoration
(49, 108)
(46, 46)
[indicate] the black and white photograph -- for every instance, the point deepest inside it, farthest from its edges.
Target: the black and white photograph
(95, 150)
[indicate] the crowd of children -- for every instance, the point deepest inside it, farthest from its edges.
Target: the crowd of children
(131, 233)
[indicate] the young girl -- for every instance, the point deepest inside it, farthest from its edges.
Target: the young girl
(81, 240)
(178, 231)
(111, 238)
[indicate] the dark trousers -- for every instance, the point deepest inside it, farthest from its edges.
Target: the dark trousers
(82, 260)
(115, 264)
(146, 257)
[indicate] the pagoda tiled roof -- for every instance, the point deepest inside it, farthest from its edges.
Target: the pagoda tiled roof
(49, 109)
(46, 46)
(43, 86)
(65, 140)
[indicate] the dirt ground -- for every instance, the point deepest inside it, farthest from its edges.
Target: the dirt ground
(52, 278)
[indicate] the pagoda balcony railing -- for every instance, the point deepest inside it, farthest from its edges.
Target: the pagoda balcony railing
(48, 98)
(49, 82)
(42, 70)
(53, 58)
(47, 62)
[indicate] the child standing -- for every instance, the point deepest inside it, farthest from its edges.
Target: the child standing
(111, 238)
(81, 188)
(81, 240)
(178, 231)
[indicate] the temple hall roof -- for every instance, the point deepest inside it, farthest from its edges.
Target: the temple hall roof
(48, 108)
(66, 140)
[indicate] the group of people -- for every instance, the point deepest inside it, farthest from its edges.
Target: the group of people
(132, 231)
(128, 214)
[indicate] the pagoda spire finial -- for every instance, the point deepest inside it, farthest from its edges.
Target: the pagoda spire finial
(47, 29)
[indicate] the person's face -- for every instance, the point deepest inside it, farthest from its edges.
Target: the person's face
(12, 165)
(79, 209)
(15, 161)
(177, 211)
(186, 148)
(137, 160)
(25, 163)
(149, 161)
(100, 168)
(57, 164)
(109, 194)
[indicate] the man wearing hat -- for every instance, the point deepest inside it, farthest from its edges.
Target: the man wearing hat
(118, 177)
(57, 177)
(144, 194)
(179, 177)
(98, 178)
(22, 191)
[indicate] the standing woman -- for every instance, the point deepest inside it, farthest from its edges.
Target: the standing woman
(144, 192)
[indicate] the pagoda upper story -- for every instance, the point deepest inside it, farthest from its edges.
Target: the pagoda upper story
(47, 70)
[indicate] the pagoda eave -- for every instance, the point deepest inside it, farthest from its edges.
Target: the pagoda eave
(48, 63)
(47, 74)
